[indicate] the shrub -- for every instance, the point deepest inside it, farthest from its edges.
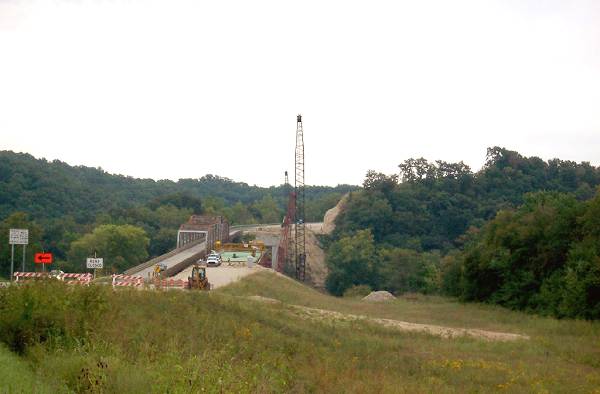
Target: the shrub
(49, 311)
(358, 291)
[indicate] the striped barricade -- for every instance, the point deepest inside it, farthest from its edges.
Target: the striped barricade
(127, 281)
(77, 279)
(171, 284)
(30, 275)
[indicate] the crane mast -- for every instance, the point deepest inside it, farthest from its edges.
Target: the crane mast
(299, 217)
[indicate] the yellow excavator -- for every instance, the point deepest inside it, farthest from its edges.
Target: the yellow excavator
(198, 279)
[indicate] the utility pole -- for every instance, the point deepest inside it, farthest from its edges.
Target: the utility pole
(299, 219)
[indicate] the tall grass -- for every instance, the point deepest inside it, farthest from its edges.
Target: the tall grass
(145, 341)
(17, 376)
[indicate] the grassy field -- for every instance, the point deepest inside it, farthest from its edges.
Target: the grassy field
(97, 340)
(17, 376)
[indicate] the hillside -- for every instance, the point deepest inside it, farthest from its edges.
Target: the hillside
(230, 340)
(51, 189)
(431, 205)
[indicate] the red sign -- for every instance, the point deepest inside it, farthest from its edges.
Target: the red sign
(43, 258)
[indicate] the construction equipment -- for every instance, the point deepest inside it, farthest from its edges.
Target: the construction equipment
(158, 270)
(299, 191)
(198, 279)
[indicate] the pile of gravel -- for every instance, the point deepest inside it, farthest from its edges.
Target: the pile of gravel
(379, 296)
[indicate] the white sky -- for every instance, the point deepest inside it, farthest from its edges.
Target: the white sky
(175, 89)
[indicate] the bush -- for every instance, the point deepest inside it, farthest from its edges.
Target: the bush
(358, 291)
(49, 311)
(543, 257)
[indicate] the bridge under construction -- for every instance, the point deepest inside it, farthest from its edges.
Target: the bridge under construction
(202, 233)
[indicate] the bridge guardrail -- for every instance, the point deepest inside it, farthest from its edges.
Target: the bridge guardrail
(162, 257)
(177, 268)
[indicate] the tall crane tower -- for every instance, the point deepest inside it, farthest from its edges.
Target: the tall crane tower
(299, 222)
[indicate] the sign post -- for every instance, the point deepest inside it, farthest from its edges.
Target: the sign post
(17, 236)
(94, 263)
(24, 253)
(43, 258)
(12, 261)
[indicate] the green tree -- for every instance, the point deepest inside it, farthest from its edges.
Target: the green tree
(404, 270)
(121, 246)
(240, 214)
(179, 200)
(352, 261)
(268, 210)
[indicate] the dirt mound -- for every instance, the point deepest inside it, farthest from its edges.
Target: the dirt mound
(379, 296)
(331, 215)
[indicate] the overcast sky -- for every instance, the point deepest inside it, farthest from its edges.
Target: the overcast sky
(177, 89)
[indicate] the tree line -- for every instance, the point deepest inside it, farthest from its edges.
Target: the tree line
(521, 232)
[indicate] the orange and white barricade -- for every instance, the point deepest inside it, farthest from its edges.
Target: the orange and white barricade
(127, 280)
(77, 279)
(171, 284)
(30, 275)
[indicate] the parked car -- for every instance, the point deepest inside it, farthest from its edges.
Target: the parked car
(213, 259)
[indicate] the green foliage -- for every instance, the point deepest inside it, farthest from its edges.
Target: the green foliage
(267, 210)
(49, 311)
(436, 203)
(17, 376)
(543, 257)
(357, 291)
(50, 190)
(179, 200)
(404, 270)
(121, 246)
(451, 274)
(352, 261)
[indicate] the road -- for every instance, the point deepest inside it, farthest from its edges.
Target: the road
(171, 261)
(315, 227)
(223, 275)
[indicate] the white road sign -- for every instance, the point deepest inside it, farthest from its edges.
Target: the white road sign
(93, 262)
(18, 236)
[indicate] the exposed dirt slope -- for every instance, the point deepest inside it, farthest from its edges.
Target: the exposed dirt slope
(316, 269)
(332, 214)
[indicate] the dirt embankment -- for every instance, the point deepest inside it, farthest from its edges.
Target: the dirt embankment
(317, 270)
(332, 214)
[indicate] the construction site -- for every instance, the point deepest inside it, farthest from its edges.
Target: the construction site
(204, 248)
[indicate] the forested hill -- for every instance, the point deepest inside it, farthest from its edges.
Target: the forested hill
(51, 189)
(431, 205)
(521, 232)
